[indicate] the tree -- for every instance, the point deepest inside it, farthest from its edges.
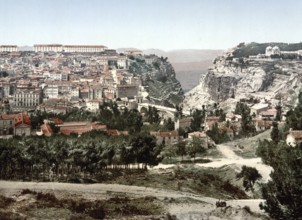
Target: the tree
(178, 114)
(181, 149)
(283, 192)
(168, 124)
(294, 116)
(250, 175)
(198, 119)
(279, 112)
(247, 125)
(152, 115)
(217, 135)
(195, 146)
(145, 149)
(275, 135)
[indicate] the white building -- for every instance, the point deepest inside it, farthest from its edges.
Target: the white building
(69, 48)
(48, 47)
(75, 92)
(83, 48)
(257, 108)
(294, 138)
(272, 51)
(122, 63)
(93, 105)
(26, 98)
(8, 48)
(51, 91)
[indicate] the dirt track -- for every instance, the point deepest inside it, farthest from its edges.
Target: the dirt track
(102, 191)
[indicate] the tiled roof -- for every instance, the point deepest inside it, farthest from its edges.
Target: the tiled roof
(165, 134)
(297, 134)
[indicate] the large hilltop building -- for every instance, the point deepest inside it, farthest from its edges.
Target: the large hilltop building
(8, 48)
(69, 48)
(269, 51)
(272, 51)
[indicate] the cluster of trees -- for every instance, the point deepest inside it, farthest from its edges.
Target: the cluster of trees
(283, 192)
(185, 148)
(247, 126)
(294, 116)
(249, 175)
(108, 114)
(66, 157)
(3, 74)
(217, 135)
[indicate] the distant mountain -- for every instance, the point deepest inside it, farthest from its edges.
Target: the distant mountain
(122, 50)
(189, 64)
(185, 55)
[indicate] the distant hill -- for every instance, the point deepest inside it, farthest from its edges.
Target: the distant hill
(188, 63)
(259, 48)
(185, 55)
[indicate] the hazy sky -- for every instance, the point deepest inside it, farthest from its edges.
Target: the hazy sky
(162, 24)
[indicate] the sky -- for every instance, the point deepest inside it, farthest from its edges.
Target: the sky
(144, 24)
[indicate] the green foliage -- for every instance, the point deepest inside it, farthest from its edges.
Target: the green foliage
(195, 146)
(35, 157)
(257, 48)
(3, 74)
(275, 134)
(162, 78)
(156, 65)
(181, 149)
(198, 119)
(54, 128)
(168, 125)
(114, 119)
(178, 113)
(152, 115)
(247, 125)
(145, 149)
(218, 136)
(294, 117)
(279, 112)
(283, 192)
(250, 175)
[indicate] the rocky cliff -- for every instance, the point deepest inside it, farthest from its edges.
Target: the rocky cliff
(230, 80)
(159, 80)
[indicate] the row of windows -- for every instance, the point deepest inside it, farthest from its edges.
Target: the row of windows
(26, 95)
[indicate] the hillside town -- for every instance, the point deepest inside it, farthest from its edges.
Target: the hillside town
(57, 79)
(91, 106)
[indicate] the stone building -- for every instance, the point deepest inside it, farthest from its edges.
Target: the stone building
(27, 99)
(15, 124)
(126, 91)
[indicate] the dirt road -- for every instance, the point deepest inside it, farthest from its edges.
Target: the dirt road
(230, 158)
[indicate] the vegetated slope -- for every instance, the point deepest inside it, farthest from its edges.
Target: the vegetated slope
(160, 81)
(259, 48)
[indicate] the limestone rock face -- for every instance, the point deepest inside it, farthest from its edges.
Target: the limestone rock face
(229, 81)
(159, 81)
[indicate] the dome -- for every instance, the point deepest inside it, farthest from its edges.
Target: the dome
(269, 48)
(275, 48)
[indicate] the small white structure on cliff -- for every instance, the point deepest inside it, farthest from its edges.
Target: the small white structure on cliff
(272, 51)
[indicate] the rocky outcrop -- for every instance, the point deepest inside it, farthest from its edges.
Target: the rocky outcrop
(229, 81)
(159, 81)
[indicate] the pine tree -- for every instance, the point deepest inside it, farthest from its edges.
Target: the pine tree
(275, 135)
